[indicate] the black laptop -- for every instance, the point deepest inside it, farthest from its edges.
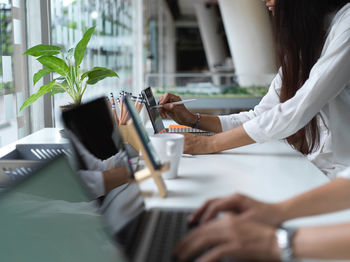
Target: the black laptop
(156, 119)
(92, 123)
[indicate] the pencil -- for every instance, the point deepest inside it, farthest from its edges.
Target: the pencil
(114, 110)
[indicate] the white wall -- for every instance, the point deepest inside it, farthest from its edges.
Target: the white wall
(250, 38)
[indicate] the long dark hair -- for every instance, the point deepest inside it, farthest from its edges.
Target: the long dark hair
(300, 33)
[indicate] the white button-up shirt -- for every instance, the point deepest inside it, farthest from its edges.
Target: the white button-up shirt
(327, 91)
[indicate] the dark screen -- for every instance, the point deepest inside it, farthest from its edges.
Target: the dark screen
(93, 124)
(153, 112)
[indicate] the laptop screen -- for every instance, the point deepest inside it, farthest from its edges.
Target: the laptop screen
(153, 112)
(142, 133)
(47, 217)
(93, 124)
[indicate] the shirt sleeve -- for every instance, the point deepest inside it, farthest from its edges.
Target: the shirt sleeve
(93, 180)
(327, 79)
(117, 160)
(266, 103)
(345, 173)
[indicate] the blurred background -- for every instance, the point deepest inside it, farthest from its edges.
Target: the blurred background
(220, 52)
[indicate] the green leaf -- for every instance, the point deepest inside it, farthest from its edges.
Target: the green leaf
(83, 76)
(81, 46)
(42, 91)
(99, 73)
(40, 74)
(55, 64)
(56, 90)
(69, 56)
(40, 50)
(57, 86)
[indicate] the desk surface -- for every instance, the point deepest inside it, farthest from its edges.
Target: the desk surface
(270, 172)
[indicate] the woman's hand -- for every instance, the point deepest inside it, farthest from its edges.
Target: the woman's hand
(229, 236)
(179, 113)
(245, 207)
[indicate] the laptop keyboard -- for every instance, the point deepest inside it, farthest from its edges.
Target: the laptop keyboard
(171, 227)
(130, 236)
(194, 131)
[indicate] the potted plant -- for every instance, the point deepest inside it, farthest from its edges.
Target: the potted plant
(71, 80)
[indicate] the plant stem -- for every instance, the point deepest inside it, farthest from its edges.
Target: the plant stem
(65, 89)
(84, 89)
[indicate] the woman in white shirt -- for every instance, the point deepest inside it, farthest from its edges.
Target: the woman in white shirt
(248, 229)
(312, 84)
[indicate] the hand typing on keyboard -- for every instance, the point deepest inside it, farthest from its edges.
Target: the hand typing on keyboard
(229, 237)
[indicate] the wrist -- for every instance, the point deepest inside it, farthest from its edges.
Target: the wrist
(282, 213)
(285, 239)
(192, 119)
(287, 210)
(274, 248)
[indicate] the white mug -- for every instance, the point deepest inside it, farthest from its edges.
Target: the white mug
(169, 148)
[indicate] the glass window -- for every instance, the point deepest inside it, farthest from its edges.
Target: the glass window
(13, 86)
(111, 46)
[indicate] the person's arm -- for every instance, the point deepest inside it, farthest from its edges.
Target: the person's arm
(217, 124)
(232, 138)
(333, 196)
(328, 242)
(115, 177)
(271, 99)
(99, 183)
(328, 77)
(232, 237)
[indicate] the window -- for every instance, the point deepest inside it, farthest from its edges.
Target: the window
(13, 86)
(116, 44)
(111, 46)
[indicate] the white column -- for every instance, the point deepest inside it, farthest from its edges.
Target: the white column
(138, 61)
(213, 43)
(250, 38)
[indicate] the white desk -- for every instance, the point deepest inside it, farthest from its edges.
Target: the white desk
(43, 136)
(270, 172)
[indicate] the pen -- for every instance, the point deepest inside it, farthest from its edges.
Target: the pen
(176, 103)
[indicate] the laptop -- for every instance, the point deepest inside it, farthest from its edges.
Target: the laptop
(156, 119)
(46, 216)
(144, 235)
(92, 123)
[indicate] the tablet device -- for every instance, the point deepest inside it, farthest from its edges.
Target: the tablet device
(142, 133)
(152, 111)
(157, 121)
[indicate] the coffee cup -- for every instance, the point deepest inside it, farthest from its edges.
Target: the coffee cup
(169, 148)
